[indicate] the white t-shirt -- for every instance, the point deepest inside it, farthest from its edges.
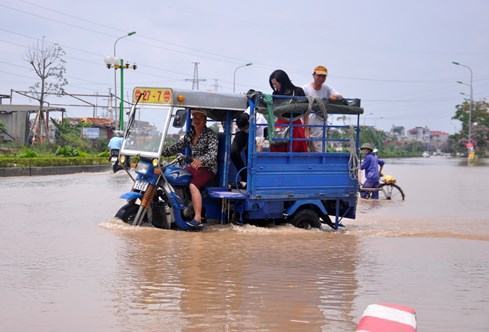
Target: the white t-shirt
(325, 92)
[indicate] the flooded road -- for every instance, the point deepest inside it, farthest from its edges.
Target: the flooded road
(66, 265)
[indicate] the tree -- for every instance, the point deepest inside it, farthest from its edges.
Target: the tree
(372, 136)
(49, 66)
(480, 125)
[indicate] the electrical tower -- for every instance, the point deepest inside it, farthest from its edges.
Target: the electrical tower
(195, 80)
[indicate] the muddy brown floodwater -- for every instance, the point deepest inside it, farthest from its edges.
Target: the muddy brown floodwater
(67, 265)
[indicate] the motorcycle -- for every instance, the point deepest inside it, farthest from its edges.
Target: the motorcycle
(114, 160)
(160, 196)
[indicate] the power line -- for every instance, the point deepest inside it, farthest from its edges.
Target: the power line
(71, 16)
(85, 60)
(218, 56)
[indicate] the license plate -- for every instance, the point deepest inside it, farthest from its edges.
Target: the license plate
(141, 185)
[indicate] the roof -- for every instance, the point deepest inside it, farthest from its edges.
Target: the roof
(9, 108)
(216, 105)
(97, 122)
(210, 100)
(438, 133)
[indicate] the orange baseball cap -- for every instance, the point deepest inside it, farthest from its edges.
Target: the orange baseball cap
(320, 70)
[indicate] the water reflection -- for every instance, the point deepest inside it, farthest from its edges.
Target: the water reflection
(230, 279)
(147, 288)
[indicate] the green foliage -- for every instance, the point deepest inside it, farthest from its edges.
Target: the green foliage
(27, 153)
(51, 161)
(480, 126)
(67, 151)
(402, 149)
(70, 135)
(389, 146)
(373, 136)
(104, 154)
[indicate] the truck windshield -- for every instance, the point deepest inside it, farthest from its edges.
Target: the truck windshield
(146, 131)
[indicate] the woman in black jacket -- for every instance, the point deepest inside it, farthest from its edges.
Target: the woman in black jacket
(281, 85)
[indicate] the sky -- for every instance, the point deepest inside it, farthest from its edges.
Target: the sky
(394, 55)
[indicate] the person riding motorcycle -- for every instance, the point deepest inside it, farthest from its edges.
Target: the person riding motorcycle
(115, 142)
(115, 145)
(204, 144)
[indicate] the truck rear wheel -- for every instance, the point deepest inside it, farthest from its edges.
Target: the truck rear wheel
(306, 218)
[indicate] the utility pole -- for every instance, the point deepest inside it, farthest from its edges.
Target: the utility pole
(195, 80)
(470, 144)
(96, 105)
(109, 114)
(115, 69)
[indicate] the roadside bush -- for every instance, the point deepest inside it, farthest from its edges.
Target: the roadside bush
(27, 153)
(67, 151)
(51, 161)
(104, 154)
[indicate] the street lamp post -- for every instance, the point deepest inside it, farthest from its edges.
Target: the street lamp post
(234, 76)
(115, 70)
(113, 62)
(470, 145)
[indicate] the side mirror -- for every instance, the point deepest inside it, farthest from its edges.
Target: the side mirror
(179, 118)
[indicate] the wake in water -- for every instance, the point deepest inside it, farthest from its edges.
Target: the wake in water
(117, 224)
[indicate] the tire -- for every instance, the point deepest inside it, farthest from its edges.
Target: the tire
(127, 213)
(391, 192)
(160, 219)
(306, 218)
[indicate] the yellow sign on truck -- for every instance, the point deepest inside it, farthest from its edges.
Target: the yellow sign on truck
(152, 95)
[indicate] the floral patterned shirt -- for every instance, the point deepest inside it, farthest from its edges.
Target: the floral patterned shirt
(205, 149)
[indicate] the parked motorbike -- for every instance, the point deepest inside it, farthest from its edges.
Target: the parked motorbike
(160, 196)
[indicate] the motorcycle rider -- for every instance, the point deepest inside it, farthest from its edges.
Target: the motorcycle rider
(115, 143)
(203, 143)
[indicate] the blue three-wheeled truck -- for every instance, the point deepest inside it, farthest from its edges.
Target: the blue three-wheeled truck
(306, 189)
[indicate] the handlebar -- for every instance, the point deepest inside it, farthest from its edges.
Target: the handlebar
(181, 159)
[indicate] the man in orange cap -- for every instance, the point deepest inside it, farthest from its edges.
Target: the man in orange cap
(318, 89)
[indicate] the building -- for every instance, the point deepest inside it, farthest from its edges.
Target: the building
(419, 134)
(94, 128)
(398, 132)
(16, 119)
(438, 139)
